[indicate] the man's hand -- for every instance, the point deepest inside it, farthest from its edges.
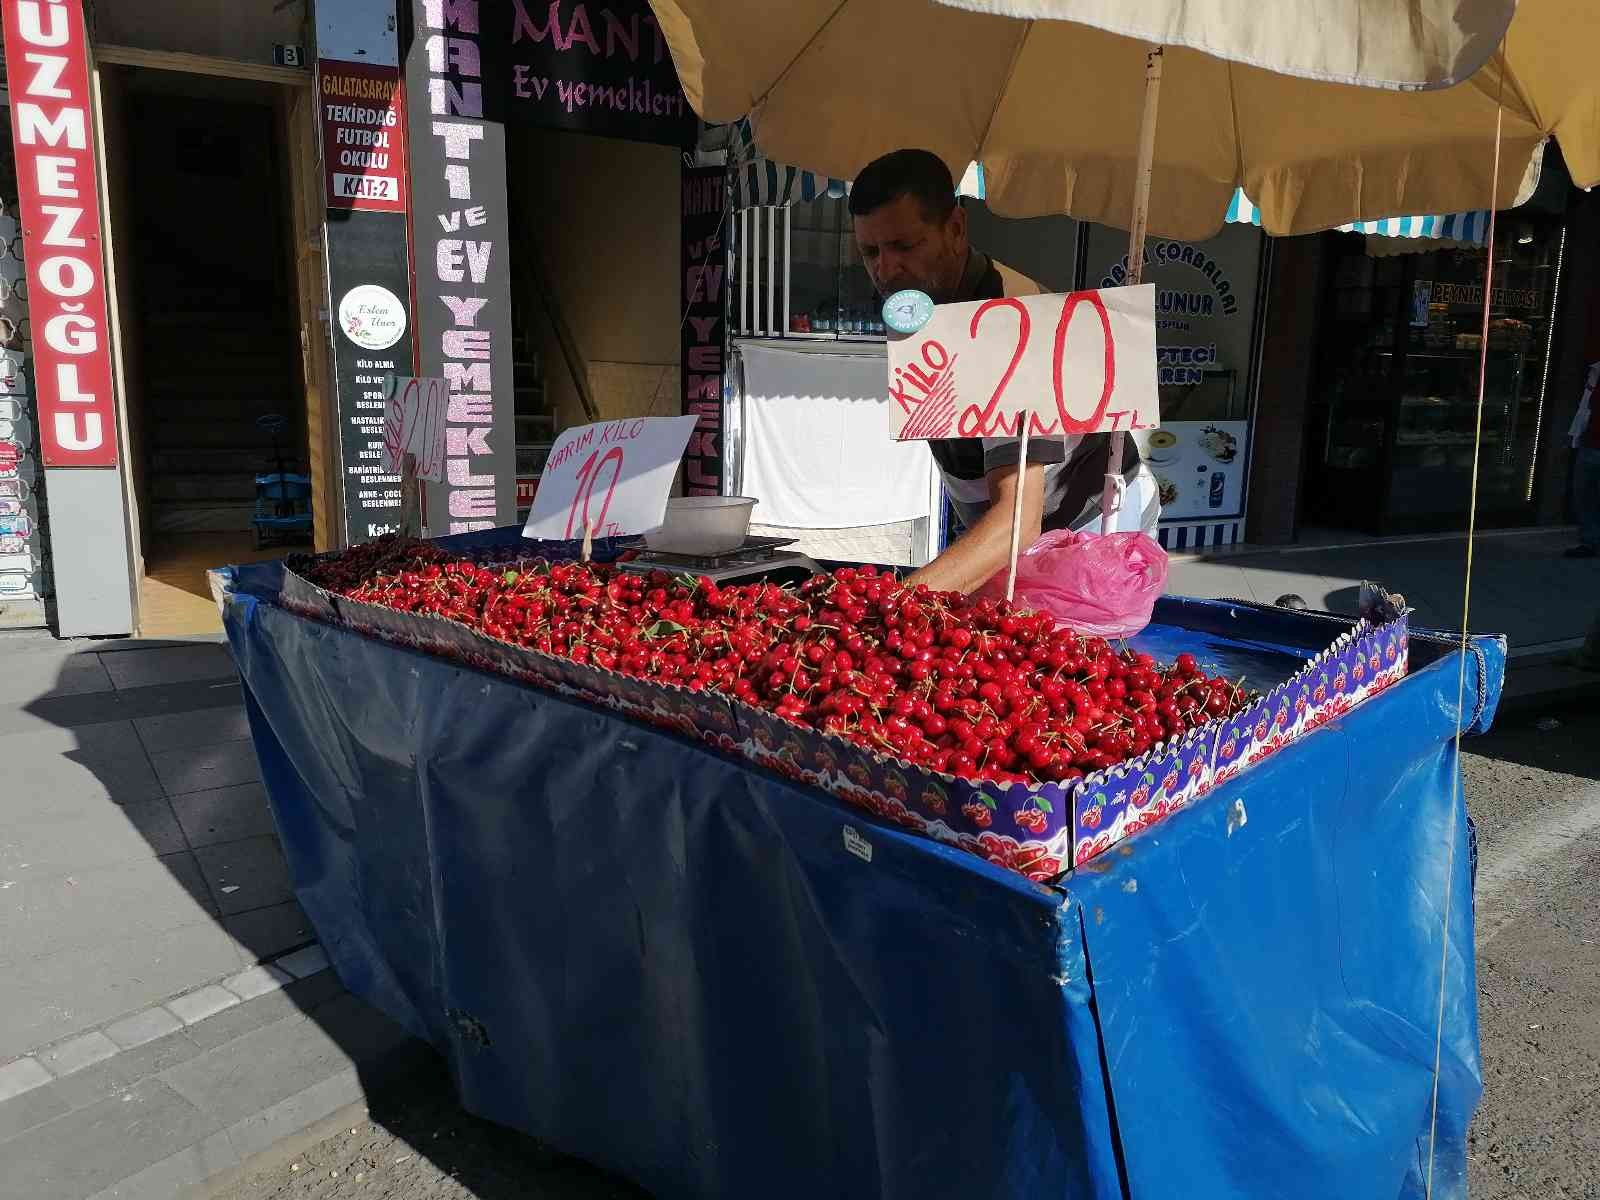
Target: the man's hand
(986, 547)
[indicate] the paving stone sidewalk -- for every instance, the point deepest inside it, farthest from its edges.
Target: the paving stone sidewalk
(1522, 586)
(166, 1012)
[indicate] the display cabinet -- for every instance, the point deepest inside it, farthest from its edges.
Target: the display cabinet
(1397, 414)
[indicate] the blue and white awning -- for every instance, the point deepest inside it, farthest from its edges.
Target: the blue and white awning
(1469, 227)
(758, 182)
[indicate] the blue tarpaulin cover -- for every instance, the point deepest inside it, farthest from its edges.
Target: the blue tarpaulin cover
(672, 964)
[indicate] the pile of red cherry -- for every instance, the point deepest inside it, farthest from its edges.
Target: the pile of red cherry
(972, 688)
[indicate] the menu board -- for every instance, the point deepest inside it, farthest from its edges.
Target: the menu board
(372, 341)
(1205, 340)
(1199, 467)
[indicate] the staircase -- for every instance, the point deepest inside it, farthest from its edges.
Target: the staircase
(211, 368)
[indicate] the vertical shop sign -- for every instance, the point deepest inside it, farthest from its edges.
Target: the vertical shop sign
(461, 232)
(58, 195)
(369, 278)
(705, 198)
(362, 115)
(363, 136)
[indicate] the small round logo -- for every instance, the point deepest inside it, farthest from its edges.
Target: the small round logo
(372, 317)
(907, 311)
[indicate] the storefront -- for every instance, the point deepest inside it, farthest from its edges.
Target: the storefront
(296, 205)
(172, 298)
(1395, 408)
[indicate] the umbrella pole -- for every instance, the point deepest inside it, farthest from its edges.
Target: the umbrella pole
(1111, 496)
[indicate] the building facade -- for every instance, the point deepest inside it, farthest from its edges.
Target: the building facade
(277, 210)
(225, 229)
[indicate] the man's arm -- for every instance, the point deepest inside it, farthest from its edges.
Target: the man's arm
(986, 548)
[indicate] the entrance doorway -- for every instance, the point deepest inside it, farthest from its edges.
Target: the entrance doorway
(209, 329)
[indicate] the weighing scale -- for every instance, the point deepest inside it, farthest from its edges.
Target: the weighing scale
(764, 558)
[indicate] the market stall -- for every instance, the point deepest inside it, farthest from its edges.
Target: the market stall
(851, 888)
(635, 938)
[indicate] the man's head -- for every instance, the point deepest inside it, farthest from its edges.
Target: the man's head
(910, 230)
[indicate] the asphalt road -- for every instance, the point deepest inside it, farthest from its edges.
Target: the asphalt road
(1535, 794)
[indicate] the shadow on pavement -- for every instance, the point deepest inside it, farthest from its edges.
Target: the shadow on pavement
(141, 884)
(418, 1144)
(1550, 739)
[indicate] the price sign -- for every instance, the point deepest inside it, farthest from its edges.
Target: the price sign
(612, 478)
(1080, 363)
(413, 423)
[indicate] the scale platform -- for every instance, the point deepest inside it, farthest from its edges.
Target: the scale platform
(765, 558)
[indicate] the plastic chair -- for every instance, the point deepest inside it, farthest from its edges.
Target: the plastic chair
(283, 499)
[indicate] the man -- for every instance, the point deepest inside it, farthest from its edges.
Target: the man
(913, 234)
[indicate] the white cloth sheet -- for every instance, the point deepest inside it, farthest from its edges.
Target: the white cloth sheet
(817, 451)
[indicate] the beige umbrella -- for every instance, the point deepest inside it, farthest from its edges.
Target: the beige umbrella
(1061, 105)
(1051, 108)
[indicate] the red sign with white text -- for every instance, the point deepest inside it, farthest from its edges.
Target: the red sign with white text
(1074, 364)
(363, 136)
(58, 193)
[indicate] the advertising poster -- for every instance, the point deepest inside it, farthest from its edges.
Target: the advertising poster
(1205, 338)
(363, 136)
(1199, 467)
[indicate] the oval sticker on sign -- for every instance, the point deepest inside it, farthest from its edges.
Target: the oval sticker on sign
(857, 845)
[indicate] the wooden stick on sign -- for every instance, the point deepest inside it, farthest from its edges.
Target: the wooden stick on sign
(410, 506)
(588, 540)
(1111, 494)
(1016, 508)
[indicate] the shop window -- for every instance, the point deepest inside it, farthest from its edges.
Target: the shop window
(1398, 401)
(796, 273)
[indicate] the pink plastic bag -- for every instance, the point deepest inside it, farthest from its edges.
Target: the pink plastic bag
(1105, 585)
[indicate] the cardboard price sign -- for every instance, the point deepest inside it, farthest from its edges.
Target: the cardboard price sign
(609, 479)
(1080, 363)
(413, 423)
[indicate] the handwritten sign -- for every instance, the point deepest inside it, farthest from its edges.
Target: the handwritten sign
(1080, 363)
(612, 478)
(413, 423)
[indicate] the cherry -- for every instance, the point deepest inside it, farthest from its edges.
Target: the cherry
(975, 688)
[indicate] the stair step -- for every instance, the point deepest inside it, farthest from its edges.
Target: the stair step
(204, 488)
(212, 460)
(247, 378)
(214, 517)
(227, 435)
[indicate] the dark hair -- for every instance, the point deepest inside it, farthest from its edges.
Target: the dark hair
(918, 173)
